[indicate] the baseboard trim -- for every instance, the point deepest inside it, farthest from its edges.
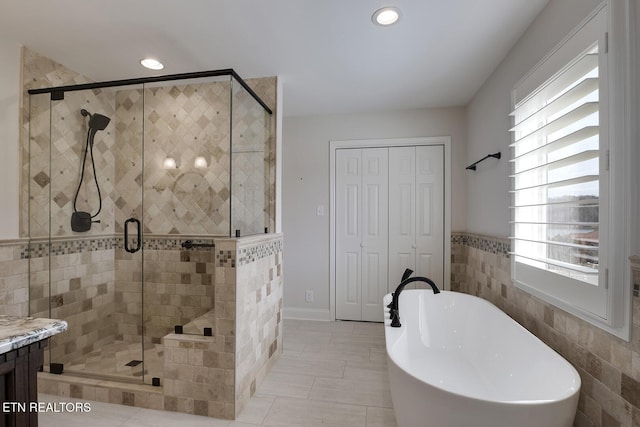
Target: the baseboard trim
(306, 314)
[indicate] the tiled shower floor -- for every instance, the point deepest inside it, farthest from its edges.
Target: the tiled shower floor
(122, 360)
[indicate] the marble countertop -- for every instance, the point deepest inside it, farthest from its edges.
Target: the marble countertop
(16, 332)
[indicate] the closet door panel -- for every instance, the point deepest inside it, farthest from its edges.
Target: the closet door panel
(401, 213)
(375, 223)
(372, 265)
(348, 234)
(351, 279)
(429, 237)
(424, 264)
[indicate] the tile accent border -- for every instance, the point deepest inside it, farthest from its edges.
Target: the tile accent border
(249, 254)
(494, 245)
(74, 245)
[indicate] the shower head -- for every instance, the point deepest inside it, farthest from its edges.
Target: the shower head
(96, 121)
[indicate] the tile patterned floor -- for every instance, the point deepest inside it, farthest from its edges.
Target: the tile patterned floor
(113, 361)
(331, 374)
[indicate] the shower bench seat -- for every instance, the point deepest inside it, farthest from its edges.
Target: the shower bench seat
(197, 325)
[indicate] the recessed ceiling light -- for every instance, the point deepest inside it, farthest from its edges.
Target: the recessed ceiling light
(152, 64)
(386, 16)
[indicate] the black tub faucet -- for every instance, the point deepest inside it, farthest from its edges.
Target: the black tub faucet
(408, 272)
(394, 311)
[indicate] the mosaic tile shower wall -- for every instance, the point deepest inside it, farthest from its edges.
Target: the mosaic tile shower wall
(211, 376)
(128, 173)
(14, 279)
(608, 366)
(178, 287)
(200, 371)
(182, 121)
(56, 148)
(186, 122)
(37, 72)
(79, 288)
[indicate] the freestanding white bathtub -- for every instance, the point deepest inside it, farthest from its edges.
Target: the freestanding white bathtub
(459, 361)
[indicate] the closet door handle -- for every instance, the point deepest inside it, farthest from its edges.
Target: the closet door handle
(126, 235)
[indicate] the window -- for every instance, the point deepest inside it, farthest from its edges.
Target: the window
(561, 203)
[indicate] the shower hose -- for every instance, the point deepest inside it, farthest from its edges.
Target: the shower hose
(88, 148)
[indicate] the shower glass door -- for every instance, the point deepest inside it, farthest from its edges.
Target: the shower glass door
(186, 199)
(250, 133)
(85, 213)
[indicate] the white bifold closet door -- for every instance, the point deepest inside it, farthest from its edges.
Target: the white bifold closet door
(416, 213)
(362, 230)
(389, 216)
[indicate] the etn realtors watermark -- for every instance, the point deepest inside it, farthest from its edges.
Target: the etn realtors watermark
(56, 407)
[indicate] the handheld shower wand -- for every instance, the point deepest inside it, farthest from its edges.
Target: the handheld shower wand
(81, 221)
(96, 122)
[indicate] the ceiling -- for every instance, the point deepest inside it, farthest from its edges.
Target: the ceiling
(331, 58)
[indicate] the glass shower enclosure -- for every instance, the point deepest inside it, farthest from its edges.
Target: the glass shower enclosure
(130, 183)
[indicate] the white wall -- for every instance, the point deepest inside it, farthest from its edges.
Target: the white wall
(635, 81)
(635, 113)
(488, 120)
(9, 139)
(306, 185)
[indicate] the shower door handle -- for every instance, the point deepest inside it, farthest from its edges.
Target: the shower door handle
(126, 236)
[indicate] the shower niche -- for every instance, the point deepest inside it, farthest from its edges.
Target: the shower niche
(144, 198)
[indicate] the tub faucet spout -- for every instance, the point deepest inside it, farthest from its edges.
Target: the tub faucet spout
(408, 272)
(394, 310)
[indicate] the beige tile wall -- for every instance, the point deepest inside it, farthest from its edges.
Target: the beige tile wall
(55, 149)
(138, 395)
(38, 72)
(258, 313)
(79, 288)
(178, 287)
(96, 286)
(216, 376)
(14, 279)
(199, 375)
(212, 376)
(181, 121)
(609, 367)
